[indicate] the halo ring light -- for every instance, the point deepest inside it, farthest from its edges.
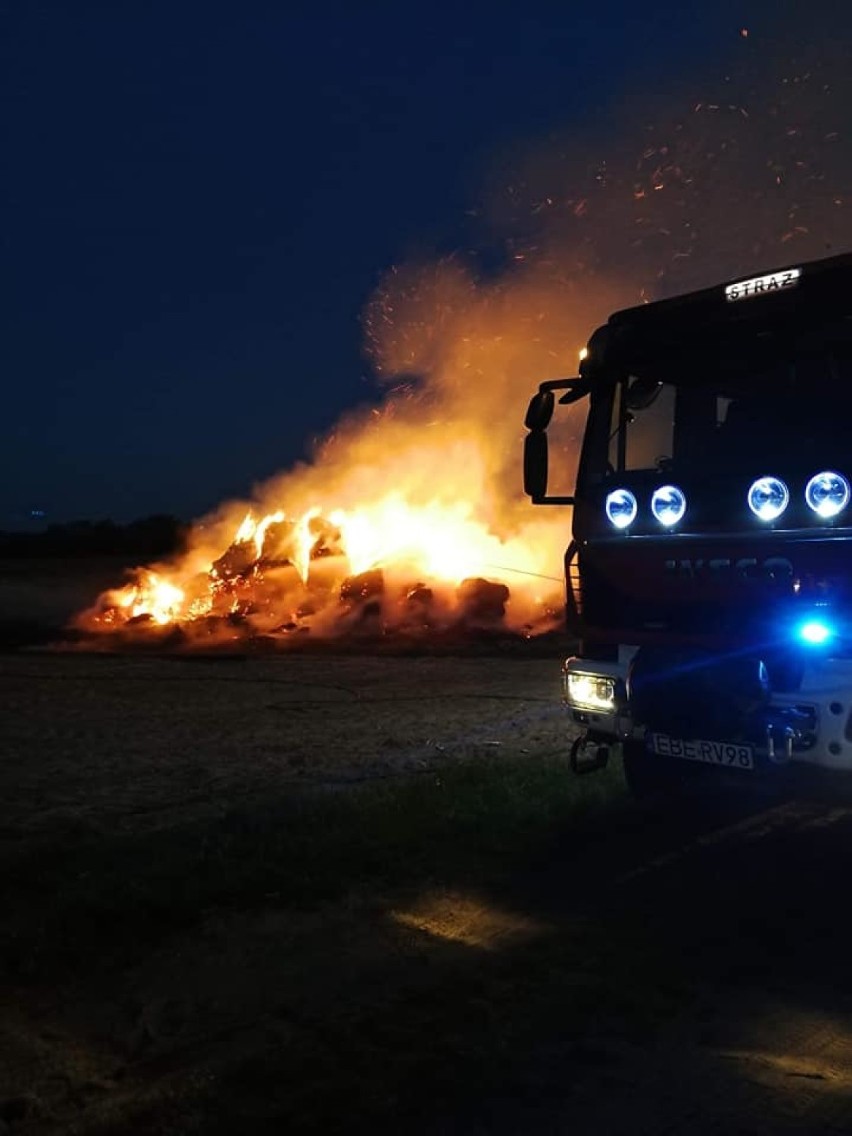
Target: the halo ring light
(827, 493)
(621, 508)
(768, 497)
(668, 504)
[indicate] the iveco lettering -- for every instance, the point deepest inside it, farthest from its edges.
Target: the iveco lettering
(709, 574)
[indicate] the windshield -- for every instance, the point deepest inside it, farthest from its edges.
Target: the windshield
(801, 409)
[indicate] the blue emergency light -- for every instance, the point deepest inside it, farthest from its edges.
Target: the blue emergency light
(815, 632)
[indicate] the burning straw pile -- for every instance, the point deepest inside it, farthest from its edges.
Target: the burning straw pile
(284, 578)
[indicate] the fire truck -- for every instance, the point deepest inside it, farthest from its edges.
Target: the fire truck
(709, 578)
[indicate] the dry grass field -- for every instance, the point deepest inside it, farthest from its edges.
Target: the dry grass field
(124, 743)
(189, 841)
(352, 892)
(38, 597)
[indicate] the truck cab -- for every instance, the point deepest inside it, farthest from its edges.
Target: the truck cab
(709, 579)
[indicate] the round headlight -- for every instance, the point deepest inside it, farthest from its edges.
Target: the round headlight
(768, 497)
(827, 493)
(668, 504)
(621, 508)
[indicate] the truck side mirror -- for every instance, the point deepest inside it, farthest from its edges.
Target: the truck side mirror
(538, 418)
(535, 464)
(540, 410)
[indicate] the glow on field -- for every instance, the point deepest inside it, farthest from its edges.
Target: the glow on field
(471, 921)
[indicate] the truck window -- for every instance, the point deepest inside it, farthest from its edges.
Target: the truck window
(649, 432)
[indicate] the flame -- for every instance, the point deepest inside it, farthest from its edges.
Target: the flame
(410, 516)
(437, 540)
(421, 555)
(303, 543)
(151, 596)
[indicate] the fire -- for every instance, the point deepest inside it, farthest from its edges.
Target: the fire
(150, 596)
(438, 541)
(412, 567)
(410, 519)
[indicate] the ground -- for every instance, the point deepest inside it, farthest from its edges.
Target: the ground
(176, 960)
(333, 893)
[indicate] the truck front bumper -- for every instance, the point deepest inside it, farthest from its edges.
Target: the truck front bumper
(810, 726)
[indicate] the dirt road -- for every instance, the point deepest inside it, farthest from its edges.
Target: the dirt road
(643, 973)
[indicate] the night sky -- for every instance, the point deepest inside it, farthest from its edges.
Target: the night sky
(199, 200)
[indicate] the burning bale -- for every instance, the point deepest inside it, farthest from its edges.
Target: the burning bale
(361, 601)
(358, 589)
(237, 560)
(482, 602)
(418, 603)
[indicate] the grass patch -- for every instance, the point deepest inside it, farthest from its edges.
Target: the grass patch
(474, 821)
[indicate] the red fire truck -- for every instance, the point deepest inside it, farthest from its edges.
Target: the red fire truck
(709, 578)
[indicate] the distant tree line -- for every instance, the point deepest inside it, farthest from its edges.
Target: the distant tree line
(148, 537)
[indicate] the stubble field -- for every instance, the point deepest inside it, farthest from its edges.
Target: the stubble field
(361, 892)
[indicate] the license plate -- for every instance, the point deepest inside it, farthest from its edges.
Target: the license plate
(728, 755)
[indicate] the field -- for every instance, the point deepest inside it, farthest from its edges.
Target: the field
(38, 596)
(359, 892)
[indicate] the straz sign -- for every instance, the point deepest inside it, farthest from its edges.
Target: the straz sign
(763, 285)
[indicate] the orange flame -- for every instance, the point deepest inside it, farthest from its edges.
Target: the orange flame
(410, 517)
(415, 550)
(151, 596)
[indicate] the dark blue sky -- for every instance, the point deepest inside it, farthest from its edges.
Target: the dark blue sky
(198, 201)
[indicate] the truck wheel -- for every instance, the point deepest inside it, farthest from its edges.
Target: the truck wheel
(649, 775)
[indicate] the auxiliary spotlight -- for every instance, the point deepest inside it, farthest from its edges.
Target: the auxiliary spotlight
(621, 508)
(768, 497)
(828, 493)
